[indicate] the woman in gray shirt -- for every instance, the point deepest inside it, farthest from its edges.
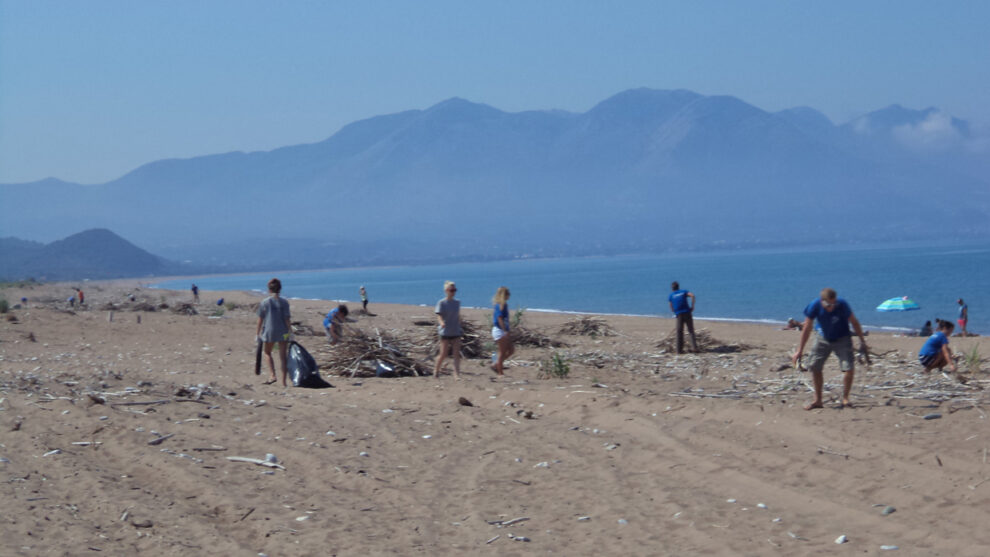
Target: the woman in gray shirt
(275, 326)
(449, 318)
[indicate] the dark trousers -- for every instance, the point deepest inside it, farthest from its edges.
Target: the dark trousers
(682, 320)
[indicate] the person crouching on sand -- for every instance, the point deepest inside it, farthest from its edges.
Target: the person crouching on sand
(333, 323)
(500, 329)
(448, 312)
(275, 326)
(832, 334)
(936, 353)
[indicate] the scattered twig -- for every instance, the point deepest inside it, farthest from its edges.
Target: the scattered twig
(257, 461)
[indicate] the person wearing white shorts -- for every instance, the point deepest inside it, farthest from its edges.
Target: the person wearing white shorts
(500, 329)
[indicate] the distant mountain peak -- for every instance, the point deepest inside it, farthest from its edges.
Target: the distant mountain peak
(456, 107)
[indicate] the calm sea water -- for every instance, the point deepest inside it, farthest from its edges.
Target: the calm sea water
(750, 286)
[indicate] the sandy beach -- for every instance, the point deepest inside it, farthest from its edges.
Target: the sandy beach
(117, 428)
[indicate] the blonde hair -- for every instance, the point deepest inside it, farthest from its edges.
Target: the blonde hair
(448, 283)
(501, 295)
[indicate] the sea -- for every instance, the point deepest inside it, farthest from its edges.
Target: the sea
(763, 286)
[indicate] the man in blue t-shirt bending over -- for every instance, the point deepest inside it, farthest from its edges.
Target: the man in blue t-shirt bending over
(833, 316)
(682, 304)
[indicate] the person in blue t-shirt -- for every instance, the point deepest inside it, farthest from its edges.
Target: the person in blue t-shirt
(935, 353)
(830, 316)
(682, 305)
(500, 329)
(333, 321)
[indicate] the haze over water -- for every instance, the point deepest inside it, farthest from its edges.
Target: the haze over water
(752, 286)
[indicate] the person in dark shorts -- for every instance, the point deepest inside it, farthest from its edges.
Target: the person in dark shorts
(333, 323)
(682, 304)
(275, 327)
(364, 299)
(448, 312)
(195, 291)
(833, 316)
(936, 353)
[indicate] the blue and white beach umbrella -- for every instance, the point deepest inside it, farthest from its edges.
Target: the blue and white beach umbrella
(898, 304)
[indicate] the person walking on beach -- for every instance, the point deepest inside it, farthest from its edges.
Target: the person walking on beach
(833, 316)
(500, 329)
(936, 353)
(333, 323)
(963, 317)
(682, 304)
(448, 312)
(82, 297)
(364, 299)
(275, 327)
(195, 291)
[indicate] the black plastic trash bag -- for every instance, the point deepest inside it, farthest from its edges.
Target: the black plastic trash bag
(385, 370)
(303, 369)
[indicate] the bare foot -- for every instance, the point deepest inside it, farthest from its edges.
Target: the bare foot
(813, 405)
(846, 403)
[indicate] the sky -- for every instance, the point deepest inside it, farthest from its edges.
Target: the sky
(91, 90)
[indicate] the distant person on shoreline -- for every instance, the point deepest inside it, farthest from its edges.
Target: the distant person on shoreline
(935, 353)
(364, 299)
(448, 312)
(275, 326)
(832, 334)
(963, 317)
(333, 323)
(195, 291)
(682, 304)
(500, 329)
(82, 297)
(926, 329)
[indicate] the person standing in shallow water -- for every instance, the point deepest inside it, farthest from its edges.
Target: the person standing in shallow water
(275, 327)
(833, 316)
(682, 304)
(448, 312)
(500, 329)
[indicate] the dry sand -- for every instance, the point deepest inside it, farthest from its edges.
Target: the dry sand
(708, 454)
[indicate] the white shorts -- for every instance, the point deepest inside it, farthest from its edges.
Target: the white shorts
(498, 333)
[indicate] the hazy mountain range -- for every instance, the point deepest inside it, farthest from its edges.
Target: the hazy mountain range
(645, 170)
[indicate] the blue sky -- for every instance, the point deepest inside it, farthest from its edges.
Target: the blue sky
(91, 90)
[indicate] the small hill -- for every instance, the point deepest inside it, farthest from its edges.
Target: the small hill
(95, 254)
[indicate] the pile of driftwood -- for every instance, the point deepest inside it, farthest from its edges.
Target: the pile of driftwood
(184, 309)
(359, 354)
(472, 342)
(588, 326)
(523, 336)
(706, 343)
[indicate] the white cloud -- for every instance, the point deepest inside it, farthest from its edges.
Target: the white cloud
(934, 133)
